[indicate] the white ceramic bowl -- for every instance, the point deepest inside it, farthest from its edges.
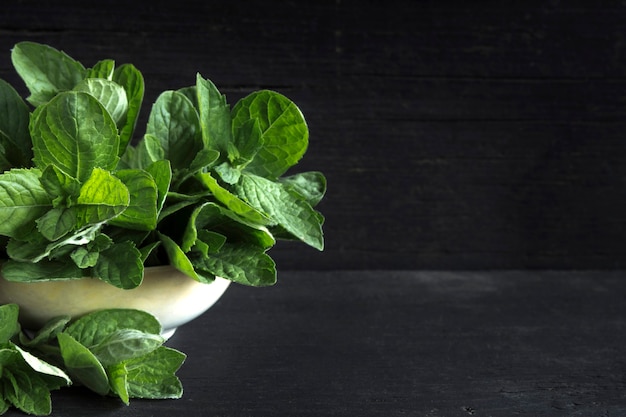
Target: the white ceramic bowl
(168, 294)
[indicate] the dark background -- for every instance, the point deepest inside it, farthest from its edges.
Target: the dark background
(454, 135)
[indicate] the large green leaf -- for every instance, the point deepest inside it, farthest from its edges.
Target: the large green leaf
(14, 135)
(9, 325)
(290, 210)
(174, 122)
(74, 132)
(153, 375)
(45, 70)
(284, 133)
(102, 197)
(22, 201)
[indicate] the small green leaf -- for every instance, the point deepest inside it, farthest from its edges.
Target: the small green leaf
(177, 257)
(289, 210)
(82, 364)
(153, 376)
(118, 381)
(57, 223)
(131, 80)
(62, 189)
(120, 265)
(47, 333)
(102, 69)
(141, 213)
(284, 133)
(310, 185)
(43, 367)
(45, 70)
(161, 172)
(76, 133)
(215, 118)
(102, 197)
(9, 324)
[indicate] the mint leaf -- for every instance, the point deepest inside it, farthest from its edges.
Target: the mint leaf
(102, 197)
(232, 201)
(288, 209)
(41, 271)
(177, 257)
(141, 213)
(310, 185)
(96, 327)
(284, 133)
(22, 201)
(110, 94)
(62, 189)
(102, 69)
(132, 81)
(9, 324)
(174, 122)
(161, 172)
(82, 364)
(45, 70)
(215, 118)
(74, 132)
(120, 265)
(14, 135)
(244, 264)
(153, 376)
(125, 344)
(118, 381)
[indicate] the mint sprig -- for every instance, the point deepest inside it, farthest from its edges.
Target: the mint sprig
(116, 352)
(204, 189)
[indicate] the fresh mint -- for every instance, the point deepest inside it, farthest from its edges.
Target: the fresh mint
(74, 175)
(117, 352)
(206, 188)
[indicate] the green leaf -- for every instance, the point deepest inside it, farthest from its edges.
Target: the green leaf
(120, 265)
(215, 118)
(153, 376)
(131, 79)
(284, 133)
(174, 122)
(310, 185)
(41, 271)
(118, 381)
(43, 367)
(14, 135)
(177, 257)
(82, 364)
(9, 324)
(22, 201)
(45, 70)
(74, 132)
(141, 213)
(47, 333)
(244, 264)
(125, 344)
(161, 172)
(248, 140)
(96, 327)
(102, 197)
(232, 201)
(62, 189)
(227, 173)
(110, 94)
(57, 223)
(288, 209)
(102, 69)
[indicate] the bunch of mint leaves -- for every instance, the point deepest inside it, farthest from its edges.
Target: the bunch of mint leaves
(204, 189)
(116, 352)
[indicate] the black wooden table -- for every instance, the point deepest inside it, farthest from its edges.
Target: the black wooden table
(399, 344)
